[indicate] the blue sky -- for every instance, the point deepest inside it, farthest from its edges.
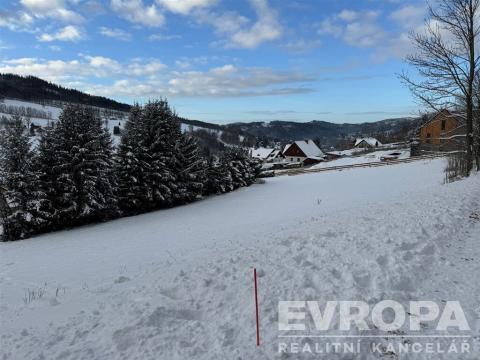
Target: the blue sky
(222, 60)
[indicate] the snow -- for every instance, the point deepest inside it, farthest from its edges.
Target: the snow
(369, 140)
(54, 110)
(177, 284)
(261, 153)
(372, 157)
(310, 149)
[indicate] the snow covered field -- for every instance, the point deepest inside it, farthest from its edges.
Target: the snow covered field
(372, 157)
(177, 284)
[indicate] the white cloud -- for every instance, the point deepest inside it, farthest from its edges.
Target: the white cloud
(19, 21)
(42, 6)
(85, 67)
(52, 8)
(162, 37)
(348, 15)
(362, 29)
(409, 16)
(152, 68)
(115, 33)
(330, 27)
(68, 33)
(184, 7)
(266, 28)
(136, 12)
(149, 78)
(302, 45)
(364, 34)
(238, 29)
(229, 80)
(107, 65)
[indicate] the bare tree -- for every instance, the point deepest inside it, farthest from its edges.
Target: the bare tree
(447, 62)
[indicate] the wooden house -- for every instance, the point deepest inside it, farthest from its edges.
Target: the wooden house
(442, 128)
(443, 132)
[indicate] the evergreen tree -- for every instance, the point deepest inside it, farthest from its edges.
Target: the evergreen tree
(216, 173)
(18, 198)
(241, 167)
(190, 171)
(157, 165)
(133, 165)
(75, 168)
(163, 137)
(232, 170)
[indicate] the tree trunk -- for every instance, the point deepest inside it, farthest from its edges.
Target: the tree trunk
(471, 79)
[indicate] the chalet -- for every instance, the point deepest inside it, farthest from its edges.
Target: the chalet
(367, 143)
(303, 151)
(443, 132)
(444, 127)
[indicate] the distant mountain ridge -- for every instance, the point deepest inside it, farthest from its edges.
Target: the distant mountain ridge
(30, 88)
(329, 133)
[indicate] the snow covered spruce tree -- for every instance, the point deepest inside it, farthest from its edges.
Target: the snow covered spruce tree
(18, 198)
(191, 170)
(233, 169)
(242, 168)
(133, 165)
(157, 165)
(163, 136)
(76, 170)
(219, 180)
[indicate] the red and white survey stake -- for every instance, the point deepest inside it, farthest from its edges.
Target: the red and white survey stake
(256, 305)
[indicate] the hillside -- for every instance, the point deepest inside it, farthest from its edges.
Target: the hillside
(31, 88)
(177, 283)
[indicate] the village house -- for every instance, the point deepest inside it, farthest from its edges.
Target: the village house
(267, 155)
(305, 152)
(442, 128)
(367, 143)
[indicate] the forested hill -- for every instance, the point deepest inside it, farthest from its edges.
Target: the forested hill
(31, 88)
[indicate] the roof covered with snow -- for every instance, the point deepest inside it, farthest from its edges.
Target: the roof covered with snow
(369, 140)
(308, 147)
(261, 153)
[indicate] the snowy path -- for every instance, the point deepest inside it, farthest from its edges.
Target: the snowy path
(176, 284)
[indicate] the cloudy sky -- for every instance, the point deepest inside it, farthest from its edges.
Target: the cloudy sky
(222, 60)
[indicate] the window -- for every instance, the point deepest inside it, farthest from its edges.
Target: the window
(428, 138)
(298, 159)
(443, 124)
(291, 159)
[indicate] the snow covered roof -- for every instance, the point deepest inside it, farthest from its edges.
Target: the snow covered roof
(274, 154)
(261, 153)
(369, 140)
(308, 147)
